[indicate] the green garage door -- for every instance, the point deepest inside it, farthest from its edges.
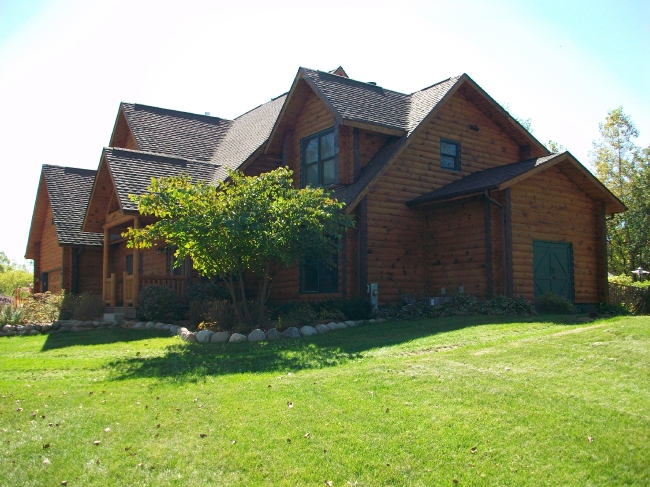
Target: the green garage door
(553, 268)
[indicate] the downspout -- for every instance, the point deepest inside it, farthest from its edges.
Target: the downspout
(503, 240)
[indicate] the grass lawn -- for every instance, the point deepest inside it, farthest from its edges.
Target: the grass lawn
(462, 401)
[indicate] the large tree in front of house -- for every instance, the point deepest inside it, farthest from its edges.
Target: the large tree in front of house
(247, 227)
(625, 169)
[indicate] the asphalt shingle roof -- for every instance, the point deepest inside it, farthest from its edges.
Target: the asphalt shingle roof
(132, 171)
(245, 135)
(480, 181)
(69, 191)
(365, 102)
(181, 134)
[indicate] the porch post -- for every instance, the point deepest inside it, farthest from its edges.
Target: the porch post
(136, 267)
(107, 246)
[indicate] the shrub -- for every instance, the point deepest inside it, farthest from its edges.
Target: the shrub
(10, 315)
(88, 307)
(628, 281)
(214, 314)
(459, 305)
(505, 306)
(292, 314)
(611, 309)
(158, 303)
(207, 291)
(411, 311)
(42, 308)
(353, 309)
(551, 303)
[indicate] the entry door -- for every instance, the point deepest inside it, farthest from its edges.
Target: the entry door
(553, 268)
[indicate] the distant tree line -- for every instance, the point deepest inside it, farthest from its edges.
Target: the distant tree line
(13, 275)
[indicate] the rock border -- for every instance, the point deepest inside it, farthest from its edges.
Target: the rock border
(202, 336)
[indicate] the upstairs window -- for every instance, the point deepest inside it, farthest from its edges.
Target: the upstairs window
(318, 159)
(450, 154)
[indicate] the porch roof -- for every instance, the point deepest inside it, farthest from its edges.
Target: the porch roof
(501, 177)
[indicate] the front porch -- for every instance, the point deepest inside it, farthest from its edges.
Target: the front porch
(127, 272)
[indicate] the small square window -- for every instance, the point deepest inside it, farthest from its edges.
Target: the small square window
(450, 154)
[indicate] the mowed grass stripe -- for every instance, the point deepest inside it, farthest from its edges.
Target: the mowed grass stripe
(399, 403)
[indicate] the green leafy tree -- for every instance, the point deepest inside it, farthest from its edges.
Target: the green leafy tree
(554, 147)
(245, 229)
(13, 275)
(526, 123)
(625, 169)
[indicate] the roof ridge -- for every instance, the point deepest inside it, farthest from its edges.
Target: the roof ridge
(341, 78)
(260, 106)
(94, 171)
(158, 154)
(438, 83)
(181, 112)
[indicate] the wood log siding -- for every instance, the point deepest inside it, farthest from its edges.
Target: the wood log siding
(313, 118)
(396, 237)
(51, 255)
(455, 247)
(548, 206)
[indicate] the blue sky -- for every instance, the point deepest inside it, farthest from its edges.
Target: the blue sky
(66, 64)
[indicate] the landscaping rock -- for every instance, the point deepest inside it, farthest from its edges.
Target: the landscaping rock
(159, 326)
(322, 328)
(335, 326)
(350, 323)
(340, 325)
(380, 320)
(6, 328)
(29, 327)
(182, 330)
(291, 332)
(373, 320)
(237, 338)
(139, 325)
(149, 325)
(273, 334)
(11, 333)
(219, 337)
(34, 332)
(167, 327)
(256, 335)
(75, 328)
(174, 329)
(46, 328)
(308, 331)
(189, 337)
(203, 336)
(2, 334)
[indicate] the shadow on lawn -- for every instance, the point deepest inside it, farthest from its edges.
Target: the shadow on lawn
(97, 337)
(184, 361)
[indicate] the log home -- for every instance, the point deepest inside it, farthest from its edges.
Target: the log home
(65, 258)
(449, 192)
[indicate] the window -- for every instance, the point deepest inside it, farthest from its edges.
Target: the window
(318, 159)
(450, 154)
(318, 277)
(129, 265)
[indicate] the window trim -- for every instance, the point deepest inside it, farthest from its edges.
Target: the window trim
(457, 165)
(319, 162)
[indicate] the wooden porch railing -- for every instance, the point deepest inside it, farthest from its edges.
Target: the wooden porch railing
(110, 291)
(178, 284)
(127, 289)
